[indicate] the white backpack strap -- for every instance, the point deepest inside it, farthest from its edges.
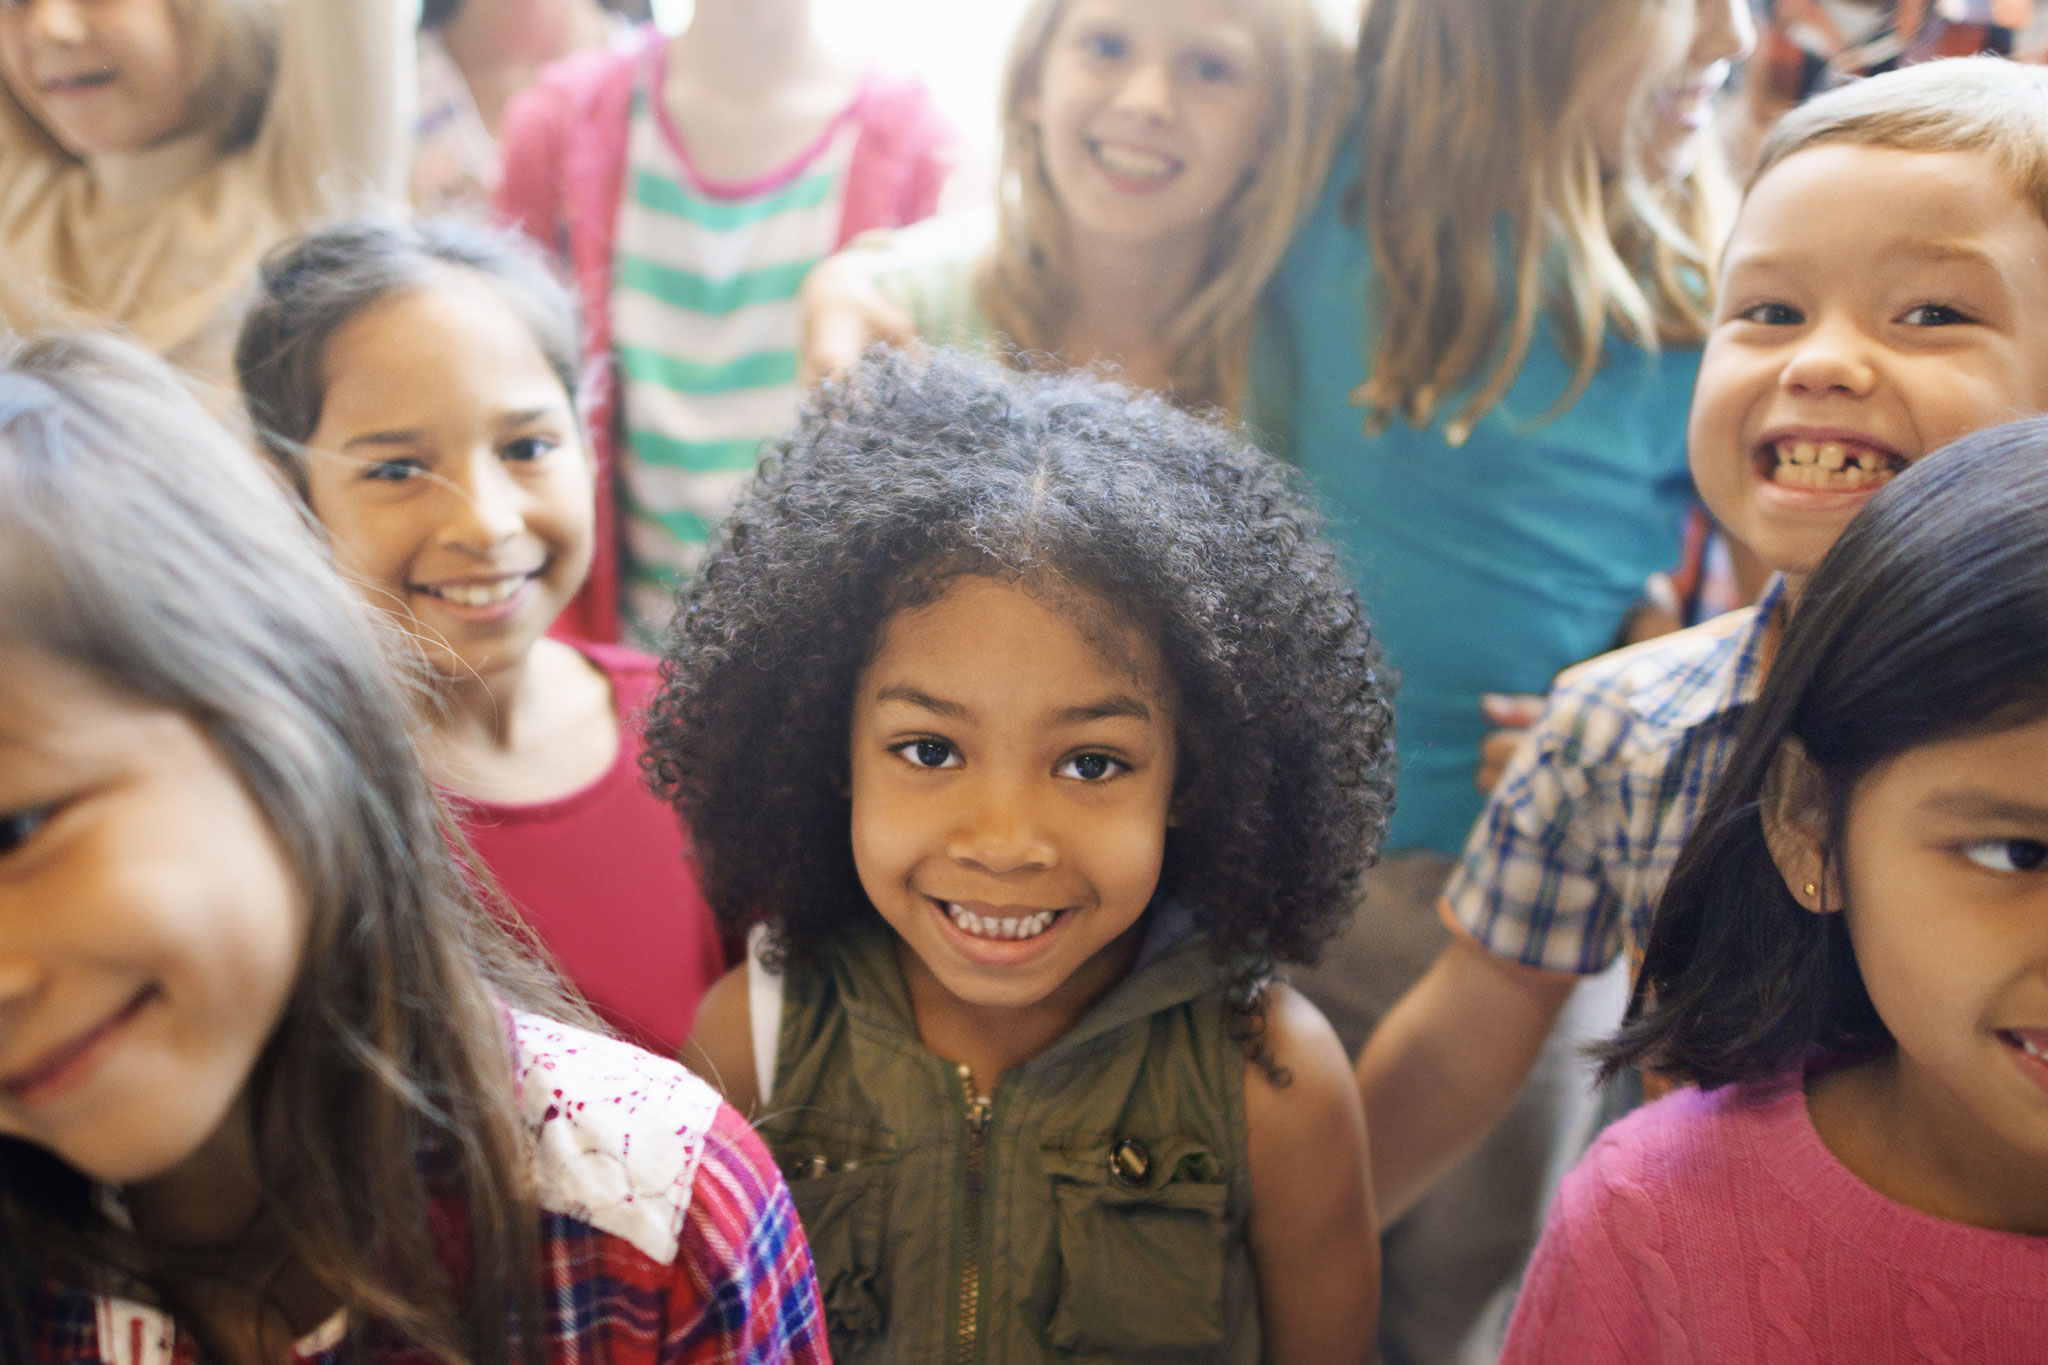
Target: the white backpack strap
(764, 1010)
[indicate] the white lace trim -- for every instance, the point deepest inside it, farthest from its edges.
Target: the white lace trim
(617, 1133)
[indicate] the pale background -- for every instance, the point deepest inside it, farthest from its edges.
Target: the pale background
(955, 45)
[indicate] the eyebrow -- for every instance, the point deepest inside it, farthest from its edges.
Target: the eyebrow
(1937, 252)
(528, 416)
(385, 438)
(1980, 805)
(1118, 705)
(924, 701)
(1122, 704)
(1940, 251)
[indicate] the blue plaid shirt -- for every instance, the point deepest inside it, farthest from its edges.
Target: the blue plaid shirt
(1575, 845)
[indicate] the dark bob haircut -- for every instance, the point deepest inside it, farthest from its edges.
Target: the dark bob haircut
(313, 286)
(914, 471)
(1927, 621)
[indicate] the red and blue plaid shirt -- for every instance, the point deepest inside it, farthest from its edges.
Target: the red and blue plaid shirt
(667, 1234)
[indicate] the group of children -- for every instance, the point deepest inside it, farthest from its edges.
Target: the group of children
(1019, 737)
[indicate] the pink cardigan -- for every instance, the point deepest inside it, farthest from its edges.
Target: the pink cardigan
(563, 145)
(1718, 1227)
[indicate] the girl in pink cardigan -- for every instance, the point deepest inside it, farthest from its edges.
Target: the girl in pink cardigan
(1851, 960)
(689, 183)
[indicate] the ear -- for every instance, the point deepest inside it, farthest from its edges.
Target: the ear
(1793, 808)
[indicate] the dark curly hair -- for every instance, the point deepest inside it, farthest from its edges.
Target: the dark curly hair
(911, 472)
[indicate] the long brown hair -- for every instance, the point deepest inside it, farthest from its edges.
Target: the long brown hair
(1486, 207)
(1023, 282)
(139, 542)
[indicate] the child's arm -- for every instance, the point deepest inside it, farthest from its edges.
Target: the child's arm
(341, 109)
(1448, 1060)
(1314, 1243)
(721, 1046)
(845, 312)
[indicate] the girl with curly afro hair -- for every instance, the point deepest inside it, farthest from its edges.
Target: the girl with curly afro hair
(1033, 723)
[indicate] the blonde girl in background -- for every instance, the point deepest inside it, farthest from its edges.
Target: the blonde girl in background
(1155, 158)
(152, 150)
(1481, 348)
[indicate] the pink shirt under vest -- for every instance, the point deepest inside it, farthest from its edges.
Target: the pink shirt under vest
(1717, 1227)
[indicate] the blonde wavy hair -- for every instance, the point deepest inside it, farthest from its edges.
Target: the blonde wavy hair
(1487, 209)
(1023, 284)
(1960, 104)
(231, 54)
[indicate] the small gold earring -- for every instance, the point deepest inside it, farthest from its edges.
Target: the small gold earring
(1812, 890)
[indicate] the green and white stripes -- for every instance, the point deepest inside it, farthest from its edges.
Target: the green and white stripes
(706, 326)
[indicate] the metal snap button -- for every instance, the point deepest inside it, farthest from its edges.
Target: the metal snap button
(1130, 1161)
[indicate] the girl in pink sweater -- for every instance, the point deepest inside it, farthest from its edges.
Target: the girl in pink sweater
(1851, 961)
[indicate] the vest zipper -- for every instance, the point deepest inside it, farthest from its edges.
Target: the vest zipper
(978, 1107)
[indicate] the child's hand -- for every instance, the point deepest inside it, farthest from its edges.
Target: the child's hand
(844, 314)
(1513, 714)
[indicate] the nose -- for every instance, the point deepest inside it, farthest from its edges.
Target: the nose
(1832, 358)
(1000, 830)
(59, 22)
(489, 505)
(1146, 91)
(1725, 31)
(20, 980)
(18, 977)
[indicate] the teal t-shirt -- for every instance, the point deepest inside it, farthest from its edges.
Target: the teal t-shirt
(1487, 567)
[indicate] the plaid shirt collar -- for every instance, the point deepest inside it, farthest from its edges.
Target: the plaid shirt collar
(1709, 686)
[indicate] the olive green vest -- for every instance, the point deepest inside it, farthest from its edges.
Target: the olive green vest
(1093, 1209)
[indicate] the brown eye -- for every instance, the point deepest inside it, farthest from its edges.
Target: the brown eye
(18, 827)
(1091, 767)
(929, 753)
(2008, 855)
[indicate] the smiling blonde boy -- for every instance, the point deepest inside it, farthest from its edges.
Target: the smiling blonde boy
(1885, 291)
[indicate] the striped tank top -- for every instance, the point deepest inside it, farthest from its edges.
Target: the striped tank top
(706, 329)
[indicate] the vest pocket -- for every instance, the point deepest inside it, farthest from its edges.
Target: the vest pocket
(843, 1205)
(1140, 1255)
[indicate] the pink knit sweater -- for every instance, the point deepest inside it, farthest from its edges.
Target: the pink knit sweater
(1717, 1228)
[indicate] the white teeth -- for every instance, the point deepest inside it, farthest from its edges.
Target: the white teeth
(1135, 163)
(2029, 1047)
(480, 594)
(989, 926)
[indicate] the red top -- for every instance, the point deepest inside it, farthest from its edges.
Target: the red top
(603, 875)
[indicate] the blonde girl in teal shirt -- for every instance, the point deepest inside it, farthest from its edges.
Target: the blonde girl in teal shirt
(1481, 348)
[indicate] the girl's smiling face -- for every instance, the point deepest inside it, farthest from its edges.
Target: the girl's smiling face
(1651, 111)
(150, 926)
(1943, 870)
(1150, 114)
(102, 77)
(449, 473)
(1012, 774)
